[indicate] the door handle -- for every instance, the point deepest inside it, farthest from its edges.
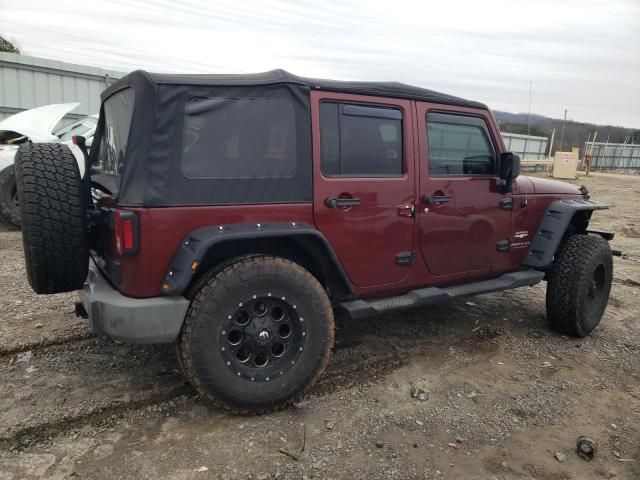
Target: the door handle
(436, 198)
(342, 202)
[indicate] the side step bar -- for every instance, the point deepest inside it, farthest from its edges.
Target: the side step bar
(430, 295)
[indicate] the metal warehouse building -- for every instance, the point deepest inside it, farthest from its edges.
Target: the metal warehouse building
(28, 82)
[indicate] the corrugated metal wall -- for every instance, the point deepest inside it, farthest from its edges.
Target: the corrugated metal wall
(527, 147)
(613, 156)
(28, 82)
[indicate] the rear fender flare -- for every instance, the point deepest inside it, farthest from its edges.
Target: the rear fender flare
(553, 228)
(195, 247)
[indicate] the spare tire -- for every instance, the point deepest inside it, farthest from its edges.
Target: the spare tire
(9, 209)
(54, 223)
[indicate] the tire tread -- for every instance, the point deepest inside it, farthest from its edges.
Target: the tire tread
(570, 270)
(54, 229)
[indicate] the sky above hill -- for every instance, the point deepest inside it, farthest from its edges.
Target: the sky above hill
(582, 55)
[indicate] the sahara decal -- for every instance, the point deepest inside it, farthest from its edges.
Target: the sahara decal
(520, 240)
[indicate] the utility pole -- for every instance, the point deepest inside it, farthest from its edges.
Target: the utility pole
(590, 150)
(526, 141)
(562, 132)
(529, 118)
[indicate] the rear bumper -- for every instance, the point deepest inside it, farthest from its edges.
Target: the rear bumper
(130, 320)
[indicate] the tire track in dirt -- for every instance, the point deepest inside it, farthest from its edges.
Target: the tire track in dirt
(90, 391)
(94, 380)
(43, 344)
(28, 435)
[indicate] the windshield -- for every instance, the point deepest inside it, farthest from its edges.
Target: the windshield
(81, 127)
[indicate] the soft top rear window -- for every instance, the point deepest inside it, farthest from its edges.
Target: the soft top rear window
(118, 110)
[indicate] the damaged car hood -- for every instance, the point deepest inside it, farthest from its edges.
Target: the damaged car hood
(37, 123)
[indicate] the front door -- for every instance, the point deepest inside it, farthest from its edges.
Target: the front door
(464, 218)
(363, 154)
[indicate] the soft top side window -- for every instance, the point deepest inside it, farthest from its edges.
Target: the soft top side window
(239, 138)
(360, 140)
(459, 145)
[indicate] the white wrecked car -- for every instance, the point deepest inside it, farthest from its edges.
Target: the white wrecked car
(36, 125)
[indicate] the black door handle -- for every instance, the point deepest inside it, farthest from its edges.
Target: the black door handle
(341, 202)
(436, 198)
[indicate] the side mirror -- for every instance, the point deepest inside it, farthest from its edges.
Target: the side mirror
(509, 169)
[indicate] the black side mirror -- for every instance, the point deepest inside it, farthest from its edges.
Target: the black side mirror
(509, 169)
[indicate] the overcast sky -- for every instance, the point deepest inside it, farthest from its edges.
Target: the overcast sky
(583, 55)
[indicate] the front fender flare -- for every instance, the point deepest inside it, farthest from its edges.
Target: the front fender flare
(552, 229)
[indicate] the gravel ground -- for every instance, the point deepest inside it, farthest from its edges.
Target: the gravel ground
(474, 389)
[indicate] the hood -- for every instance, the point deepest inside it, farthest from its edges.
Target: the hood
(37, 123)
(535, 185)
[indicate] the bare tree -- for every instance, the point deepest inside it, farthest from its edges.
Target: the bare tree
(7, 46)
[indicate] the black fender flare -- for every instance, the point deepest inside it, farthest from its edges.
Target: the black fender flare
(195, 246)
(552, 229)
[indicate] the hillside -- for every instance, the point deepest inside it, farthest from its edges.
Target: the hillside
(575, 133)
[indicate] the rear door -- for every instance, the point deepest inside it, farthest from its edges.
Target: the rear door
(363, 153)
(464, 220)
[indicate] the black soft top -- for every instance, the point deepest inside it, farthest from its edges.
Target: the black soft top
(282, 77)
(144, 165)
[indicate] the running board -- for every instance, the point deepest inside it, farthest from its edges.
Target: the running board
(430, 295)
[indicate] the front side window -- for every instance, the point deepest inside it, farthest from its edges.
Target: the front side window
(358, 140)
(118, 110)
(459, 145)
(239, 138)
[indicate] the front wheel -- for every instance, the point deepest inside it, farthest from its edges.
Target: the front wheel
(579, 285)
(9, 205)
(257, 335)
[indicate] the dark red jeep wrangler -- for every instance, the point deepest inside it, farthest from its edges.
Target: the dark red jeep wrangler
(236, 214)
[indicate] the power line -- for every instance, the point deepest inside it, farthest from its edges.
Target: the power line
(122, 48)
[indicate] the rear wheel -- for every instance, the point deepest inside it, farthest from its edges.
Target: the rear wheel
(9, 205)
(257, 335)
(579, 285)
(54, 224)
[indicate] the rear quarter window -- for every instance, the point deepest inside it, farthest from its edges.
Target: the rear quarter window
(118, 110)
(239, 138)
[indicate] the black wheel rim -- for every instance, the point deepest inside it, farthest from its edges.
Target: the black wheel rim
(14, 195)
(263, 337)
(595, 292)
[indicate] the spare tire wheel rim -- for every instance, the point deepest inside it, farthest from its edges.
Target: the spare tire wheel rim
(262, 337)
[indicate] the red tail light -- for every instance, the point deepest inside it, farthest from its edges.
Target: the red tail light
(125, 230)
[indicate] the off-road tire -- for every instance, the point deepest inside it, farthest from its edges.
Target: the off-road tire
(9, 210)
(54, 224)
(201, 338)
(579, 285)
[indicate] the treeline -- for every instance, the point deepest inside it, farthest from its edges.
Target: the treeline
(575, 133)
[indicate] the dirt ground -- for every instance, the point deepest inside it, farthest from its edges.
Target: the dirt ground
(498, 393)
